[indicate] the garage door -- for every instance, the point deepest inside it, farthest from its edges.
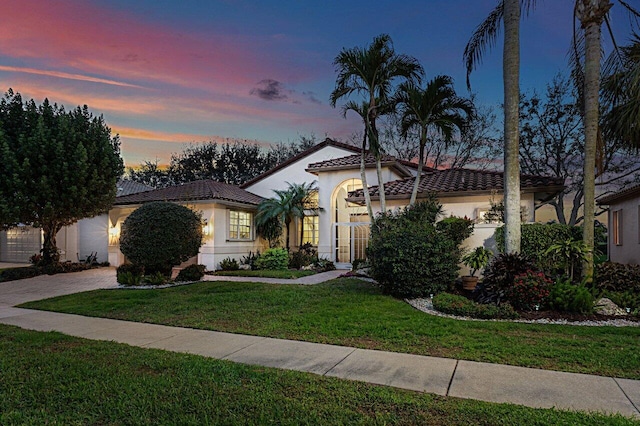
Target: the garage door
(19, 244)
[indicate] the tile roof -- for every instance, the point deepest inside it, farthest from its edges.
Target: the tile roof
(193, 191)
(128, 187)
(353, 161)
(632, 191)
(458, 182)
(318, 147)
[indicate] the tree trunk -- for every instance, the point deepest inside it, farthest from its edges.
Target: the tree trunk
(511, 77)
(363, 177)
(287, 223)
(383, 201)
(416, 185)
(591, 14)
(50, 252)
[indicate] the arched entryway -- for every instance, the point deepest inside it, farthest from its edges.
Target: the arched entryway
(350, 230)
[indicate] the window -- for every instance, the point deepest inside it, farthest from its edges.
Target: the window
(240, 225)
(310, 225)
(616, 224)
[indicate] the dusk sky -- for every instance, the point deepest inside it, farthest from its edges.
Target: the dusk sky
(166, 73)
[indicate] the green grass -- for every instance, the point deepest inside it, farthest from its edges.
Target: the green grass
(49, 378)
(267, 273)
(354, 313)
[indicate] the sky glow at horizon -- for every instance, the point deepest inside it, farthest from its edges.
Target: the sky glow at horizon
(168, 73)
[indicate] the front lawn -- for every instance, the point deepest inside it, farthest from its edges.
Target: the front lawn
(267, 273)
(354, 313)
(49, 378)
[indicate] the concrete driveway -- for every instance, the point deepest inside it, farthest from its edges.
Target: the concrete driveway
(44, 286)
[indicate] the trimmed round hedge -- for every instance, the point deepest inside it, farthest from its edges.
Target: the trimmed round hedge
(161, 235)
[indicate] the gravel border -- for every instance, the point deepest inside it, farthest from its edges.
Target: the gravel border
(425, 305)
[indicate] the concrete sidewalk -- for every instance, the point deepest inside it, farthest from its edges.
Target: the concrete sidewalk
(441, 376)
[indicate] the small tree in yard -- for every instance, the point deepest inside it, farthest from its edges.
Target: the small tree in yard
(57, 167)
(161, 235)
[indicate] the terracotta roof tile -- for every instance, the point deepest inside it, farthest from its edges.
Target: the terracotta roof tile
(452, 181)
(193, 191)
(128, 187)
(348, 161)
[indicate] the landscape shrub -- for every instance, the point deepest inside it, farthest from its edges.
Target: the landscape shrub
(454, 304)
(129, 274)
(305, 256)
(274, 259)
(409, 257)
(499, 276)
(13, 274)
(250, 260)
(456, 228)
(229, 264)
(617, 277)
(191, 273)
(160, 235)
(324, 265)
(157, 278)
(529, 290)
(564, 296)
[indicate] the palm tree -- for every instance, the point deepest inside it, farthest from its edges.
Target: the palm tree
(435, 107)
(288, 204)
(621, 89)
(362, 111)
(507, 12)
(591, 14)
(372, 71)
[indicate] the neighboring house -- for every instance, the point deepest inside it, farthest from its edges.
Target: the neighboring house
(81, 239)
(624, 225)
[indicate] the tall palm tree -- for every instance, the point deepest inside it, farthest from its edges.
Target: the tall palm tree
(288, 205)
(591, 14)
(507, 12)
(372, 72)
(436, 107)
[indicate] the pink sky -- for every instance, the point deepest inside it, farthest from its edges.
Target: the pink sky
(168, 73)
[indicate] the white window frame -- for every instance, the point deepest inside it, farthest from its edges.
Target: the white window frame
(234, 234)
(314, 231)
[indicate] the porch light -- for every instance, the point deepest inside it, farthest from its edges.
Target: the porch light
(206, 231)
(114, 235)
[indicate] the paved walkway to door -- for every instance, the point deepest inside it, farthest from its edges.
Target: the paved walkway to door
(441, 376)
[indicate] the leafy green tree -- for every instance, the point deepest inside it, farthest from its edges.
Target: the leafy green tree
(289, 204)
(372, 72)
(58, 166)
(435, 107)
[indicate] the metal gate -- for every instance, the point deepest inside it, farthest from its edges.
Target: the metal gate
(19, 244)
(350, 241)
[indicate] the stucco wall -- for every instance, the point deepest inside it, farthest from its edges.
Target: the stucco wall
(629, 251)
(295, 172)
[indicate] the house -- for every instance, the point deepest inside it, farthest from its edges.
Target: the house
(340, 229)
(624, 225)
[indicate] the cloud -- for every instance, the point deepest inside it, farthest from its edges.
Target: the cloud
(270, 90)
(66, 75)
(311, 96)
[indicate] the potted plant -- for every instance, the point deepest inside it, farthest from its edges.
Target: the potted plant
(475, 260)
